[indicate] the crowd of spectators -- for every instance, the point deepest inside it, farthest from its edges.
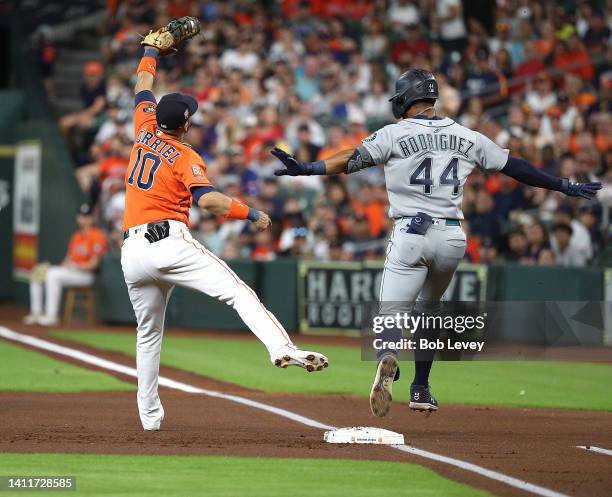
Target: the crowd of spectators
(314, 77)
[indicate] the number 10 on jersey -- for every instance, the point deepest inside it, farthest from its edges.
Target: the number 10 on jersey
(141, 160)
(422, 175)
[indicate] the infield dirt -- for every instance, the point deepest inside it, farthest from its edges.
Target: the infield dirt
(535, 445)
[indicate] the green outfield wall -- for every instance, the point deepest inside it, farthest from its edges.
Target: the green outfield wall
(545, 305)
(275, 283)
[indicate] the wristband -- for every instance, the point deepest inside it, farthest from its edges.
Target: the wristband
(564, 186)
(238, 210)
(150, 52)
(148, 62)
(317, 168)
(253, 214)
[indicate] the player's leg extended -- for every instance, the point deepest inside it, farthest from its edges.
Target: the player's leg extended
(149, 297)
(449, 246)
(149, 302)
(403, 276)
(201, 270)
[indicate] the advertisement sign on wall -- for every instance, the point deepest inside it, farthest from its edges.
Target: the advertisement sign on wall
(332, 294)
(26, 207)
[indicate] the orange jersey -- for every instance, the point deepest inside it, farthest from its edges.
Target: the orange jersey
(161, 173)
(86, 244)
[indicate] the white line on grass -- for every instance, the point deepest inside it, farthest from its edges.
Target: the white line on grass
(591, 448)
(184, 387)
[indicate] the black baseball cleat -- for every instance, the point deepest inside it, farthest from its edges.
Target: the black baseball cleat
(382, 389)
(421, 399)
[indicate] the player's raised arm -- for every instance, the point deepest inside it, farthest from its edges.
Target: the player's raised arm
(145, 74)
(526, 173)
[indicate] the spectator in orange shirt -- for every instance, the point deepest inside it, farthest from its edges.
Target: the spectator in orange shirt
(252, 141)
(336, 143)
(571, 57)
(111, 166)
(264, 246)
(78, 269)
(367, 204)
(603, 136)
(547, 41)
(357, 131)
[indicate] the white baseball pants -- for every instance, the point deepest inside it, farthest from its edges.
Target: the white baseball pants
(151, 270)
(56, 279)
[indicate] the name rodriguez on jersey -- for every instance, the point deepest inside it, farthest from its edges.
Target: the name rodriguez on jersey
(434, 141)
(427, 161)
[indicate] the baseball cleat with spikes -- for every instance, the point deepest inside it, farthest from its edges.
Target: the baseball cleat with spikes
(381, 394)
(310, 361)
(421, 399)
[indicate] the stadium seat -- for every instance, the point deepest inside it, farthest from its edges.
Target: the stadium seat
(82, 300)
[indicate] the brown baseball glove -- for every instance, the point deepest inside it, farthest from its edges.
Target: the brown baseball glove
(168, 38)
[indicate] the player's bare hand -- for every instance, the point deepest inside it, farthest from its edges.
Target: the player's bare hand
(263, 223)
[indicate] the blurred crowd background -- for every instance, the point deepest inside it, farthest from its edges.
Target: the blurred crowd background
(314, 77)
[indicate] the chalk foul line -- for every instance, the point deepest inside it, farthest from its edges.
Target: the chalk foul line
(592, 448)
(184, 387)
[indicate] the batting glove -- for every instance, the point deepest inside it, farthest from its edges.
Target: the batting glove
(293, 167)
(584, 190)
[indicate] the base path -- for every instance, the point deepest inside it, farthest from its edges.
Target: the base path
(533, 445)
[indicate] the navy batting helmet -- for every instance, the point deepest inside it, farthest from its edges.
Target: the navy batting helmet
(413, 85)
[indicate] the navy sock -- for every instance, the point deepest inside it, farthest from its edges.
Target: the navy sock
(421, 372)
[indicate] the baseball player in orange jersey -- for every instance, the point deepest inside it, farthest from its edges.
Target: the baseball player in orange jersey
(163, 179)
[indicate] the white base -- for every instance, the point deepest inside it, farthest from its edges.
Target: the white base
(363, 435)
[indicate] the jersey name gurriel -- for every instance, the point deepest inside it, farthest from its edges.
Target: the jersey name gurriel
(426, 142)
(166, 150)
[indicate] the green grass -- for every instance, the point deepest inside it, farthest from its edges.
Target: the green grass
(502, 383)
(27, 371)
(183, 476)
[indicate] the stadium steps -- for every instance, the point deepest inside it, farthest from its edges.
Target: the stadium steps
(71, 58)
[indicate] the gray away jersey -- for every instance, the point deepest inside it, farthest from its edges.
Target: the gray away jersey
(426, 163)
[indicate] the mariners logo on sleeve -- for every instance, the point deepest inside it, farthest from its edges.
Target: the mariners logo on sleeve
(197, 171)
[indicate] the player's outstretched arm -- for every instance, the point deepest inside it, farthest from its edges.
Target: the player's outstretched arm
(222, 205)
(336, 164)
(523, 171)
(145, 74)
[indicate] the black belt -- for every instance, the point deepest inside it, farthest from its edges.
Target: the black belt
(155, 231)
(447, 221)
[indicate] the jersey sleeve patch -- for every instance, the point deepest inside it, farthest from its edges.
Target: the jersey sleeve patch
(379, 145)
(197, 172)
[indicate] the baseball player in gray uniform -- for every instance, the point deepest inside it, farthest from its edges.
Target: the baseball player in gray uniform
(426, 161)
